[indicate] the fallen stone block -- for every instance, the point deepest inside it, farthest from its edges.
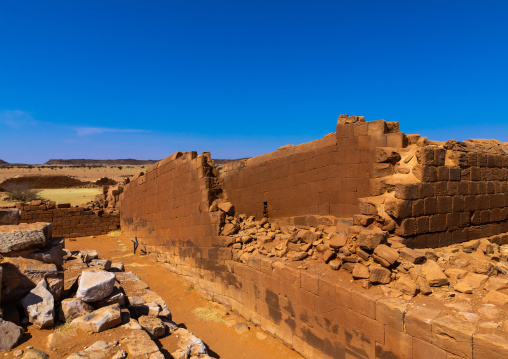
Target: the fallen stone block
(154, 326)
(56, 339)
(115, 297)
(99, 320)
(384, 255)
(370, 239)
(360, 271)
(152, 297)
(226, 207)
(95, 286)
(495, 297)
(10, 334)
(87, 255)
(406, 285)
(20, 276)
(73, 308)
(139, 344)
(117, 267)
(102, 264)
(412, 256)
(39, 305)
(24, 236)
(380, 275)
(35, 354)
(434, 274)
(338, 240)
(188, 344)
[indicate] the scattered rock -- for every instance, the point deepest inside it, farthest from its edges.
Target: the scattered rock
(35, 354)
(10, 334)
(360, 271)
(102, 264)
(152, 325)
(261, 336)
(99, 320)
(434, 274)
(380, 275)
(73, 308)
(241, 328)
(385, 255)
(412, 256)
(39, 305)
(370, 239)
(95, 286)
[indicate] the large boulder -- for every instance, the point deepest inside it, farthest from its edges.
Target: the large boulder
(20, 276)
(99, 320)
(95, 286)
(24, 236)
(39, 305)
(10, 334)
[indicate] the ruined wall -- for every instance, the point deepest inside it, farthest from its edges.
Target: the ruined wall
(442, 193)
(169, 204)
(319, 314)
(71, 221)
(322, 177)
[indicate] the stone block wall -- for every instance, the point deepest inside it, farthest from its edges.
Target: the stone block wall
(380, 172)
(71, 221)
(443, 193)
(323, 177)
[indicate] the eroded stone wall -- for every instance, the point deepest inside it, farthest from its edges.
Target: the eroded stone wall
(71, 221)
(380, 173)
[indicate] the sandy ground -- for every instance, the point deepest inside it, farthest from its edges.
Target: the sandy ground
(74, 196)
(182, 300)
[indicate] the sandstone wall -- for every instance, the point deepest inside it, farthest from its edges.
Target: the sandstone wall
(69, 222)
(169, 204)
(321, 315)
(442, 193)
(322, 177)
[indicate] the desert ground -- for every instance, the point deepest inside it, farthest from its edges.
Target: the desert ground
(74, 196)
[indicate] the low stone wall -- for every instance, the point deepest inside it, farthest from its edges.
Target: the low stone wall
(71, 221)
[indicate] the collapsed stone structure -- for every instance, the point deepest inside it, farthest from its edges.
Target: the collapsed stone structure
(54, 285)
(270, 237)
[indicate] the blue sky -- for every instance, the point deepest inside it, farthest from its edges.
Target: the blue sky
(143, 79)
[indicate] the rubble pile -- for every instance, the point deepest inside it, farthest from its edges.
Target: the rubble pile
(53, 286)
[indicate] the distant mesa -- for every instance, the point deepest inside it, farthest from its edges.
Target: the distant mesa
(88, 162)
(3, 163)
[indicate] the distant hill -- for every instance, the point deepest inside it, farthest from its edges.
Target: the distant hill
(3, 163)
(87, 162)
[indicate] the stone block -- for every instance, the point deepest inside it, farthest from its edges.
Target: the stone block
(453, 335)
(391, 312)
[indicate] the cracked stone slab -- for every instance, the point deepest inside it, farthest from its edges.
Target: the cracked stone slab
(24, 236)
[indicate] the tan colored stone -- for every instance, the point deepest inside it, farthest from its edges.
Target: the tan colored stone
(380, 275)
(488, 346)
(385, 255)
(360, 271)
(99, 320)
(434, 274)
(495, 297)
(406, 285)
(453, 335)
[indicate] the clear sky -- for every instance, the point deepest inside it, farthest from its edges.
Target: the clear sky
(143, 79)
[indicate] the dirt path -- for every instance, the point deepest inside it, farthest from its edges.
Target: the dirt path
(223, 342)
